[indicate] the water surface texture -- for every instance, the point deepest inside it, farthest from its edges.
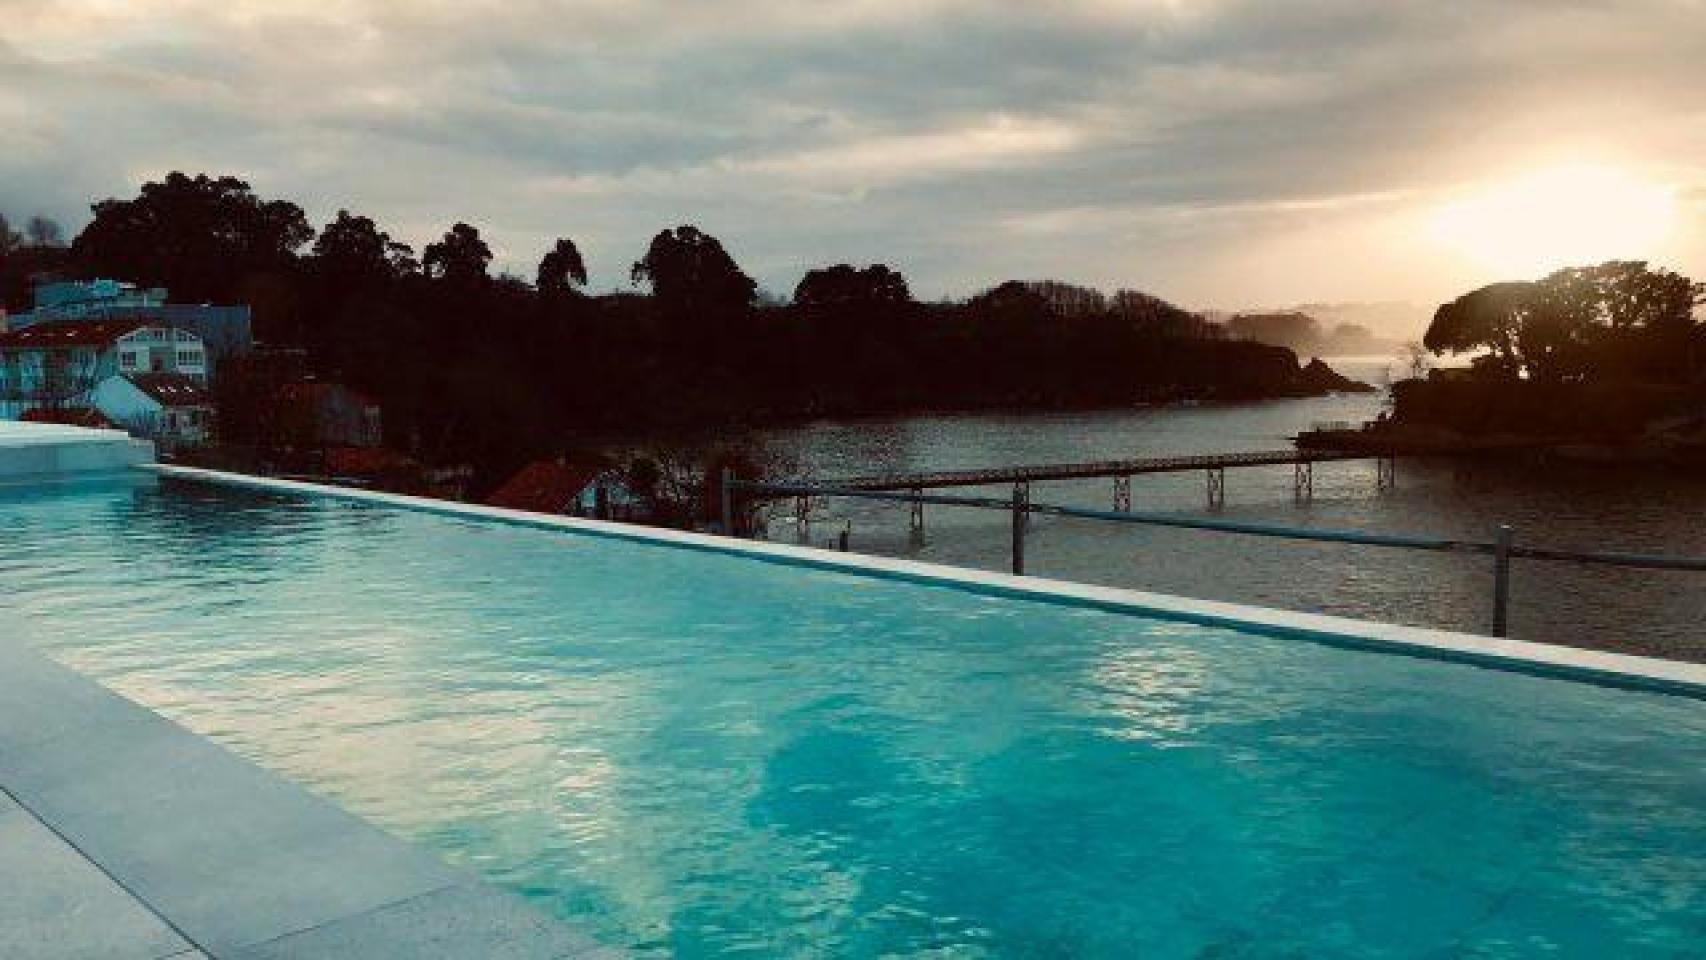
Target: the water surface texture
(705, 756)
(1582, 508)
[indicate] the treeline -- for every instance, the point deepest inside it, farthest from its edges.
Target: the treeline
(36, 250)
(1619, 322)
(496, 369)
(1599, 352)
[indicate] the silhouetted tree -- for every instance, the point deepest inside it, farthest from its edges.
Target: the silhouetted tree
(495, 372)
(200, 236)
(561, 269)
(1488, 318)
(689, 271)
(1070, 299)
(1617, 320)
(461, 257)
(23, 265)
(842, 285)
(43, 232)
(352, 249)
(857, 325)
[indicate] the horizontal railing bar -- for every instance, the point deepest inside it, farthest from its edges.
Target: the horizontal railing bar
(1650, 561)
(1145, 519)
(1355, 537)
(1267, 530)
(943, 499)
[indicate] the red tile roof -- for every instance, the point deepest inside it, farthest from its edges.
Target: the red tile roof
(170, 389)
(83, 333)
(69, 416)
(545, 486)
(366, 461)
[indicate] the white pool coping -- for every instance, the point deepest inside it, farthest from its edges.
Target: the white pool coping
(1574, 663)
(34, 452)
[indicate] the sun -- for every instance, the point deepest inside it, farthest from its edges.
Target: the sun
(1559, 217)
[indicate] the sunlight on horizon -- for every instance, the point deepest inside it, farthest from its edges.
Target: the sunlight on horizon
(1558, 217)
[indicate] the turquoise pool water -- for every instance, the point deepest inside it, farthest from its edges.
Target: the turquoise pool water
(706, 756)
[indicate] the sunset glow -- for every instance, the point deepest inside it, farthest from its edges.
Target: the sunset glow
(1556, 217)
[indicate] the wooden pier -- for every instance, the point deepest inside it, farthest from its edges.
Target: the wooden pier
(1118, 469)
(1213, 465)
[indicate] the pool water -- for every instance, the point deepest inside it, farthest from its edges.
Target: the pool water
(699, 755)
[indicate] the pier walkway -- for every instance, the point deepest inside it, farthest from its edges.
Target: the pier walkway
(1213, 465)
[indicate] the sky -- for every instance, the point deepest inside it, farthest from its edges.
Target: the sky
(1220, 153)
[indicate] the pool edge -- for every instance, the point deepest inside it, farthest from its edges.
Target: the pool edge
(231, 858)
(1522, 656)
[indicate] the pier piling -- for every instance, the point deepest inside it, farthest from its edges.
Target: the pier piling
(726, 496)
(1502, 580)
(1385, 473)
(1021, 508)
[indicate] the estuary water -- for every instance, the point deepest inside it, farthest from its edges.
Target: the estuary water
(1634, 611)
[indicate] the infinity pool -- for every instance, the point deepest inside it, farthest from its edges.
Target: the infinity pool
(700, 755)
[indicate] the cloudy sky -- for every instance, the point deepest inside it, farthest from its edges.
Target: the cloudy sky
(1217, 152)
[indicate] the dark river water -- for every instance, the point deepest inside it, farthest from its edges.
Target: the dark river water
(1655, 613)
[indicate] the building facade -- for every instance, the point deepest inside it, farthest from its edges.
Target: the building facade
(171, 409)
(57, 365)
(224, 331)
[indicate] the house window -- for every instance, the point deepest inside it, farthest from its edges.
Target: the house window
(189, 358)
(127, 360)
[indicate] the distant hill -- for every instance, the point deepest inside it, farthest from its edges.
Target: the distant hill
(1330, 329)
(1393, 320)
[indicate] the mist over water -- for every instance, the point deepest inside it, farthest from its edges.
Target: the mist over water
(1634, 611)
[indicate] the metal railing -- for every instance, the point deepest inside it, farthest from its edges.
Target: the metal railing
(1502, 548)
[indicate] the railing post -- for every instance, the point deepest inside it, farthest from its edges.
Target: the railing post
(1216, 487)
(728, 503)
(1502, 580)
(1019, 512)
(1303, 480)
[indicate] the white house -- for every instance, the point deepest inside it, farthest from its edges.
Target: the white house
(225, 331)
(56, 365)
(169, 408)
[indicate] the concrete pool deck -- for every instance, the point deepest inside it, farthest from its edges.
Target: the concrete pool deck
(125, 836)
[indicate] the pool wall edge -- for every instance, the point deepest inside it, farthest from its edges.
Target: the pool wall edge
(1523, 656)
(228, 857)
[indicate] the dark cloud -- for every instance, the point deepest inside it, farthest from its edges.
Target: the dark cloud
(1211, 149)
